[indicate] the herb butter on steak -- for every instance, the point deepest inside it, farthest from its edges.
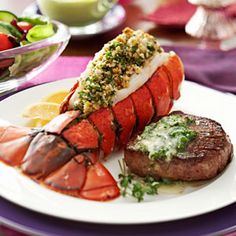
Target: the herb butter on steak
(180, 147)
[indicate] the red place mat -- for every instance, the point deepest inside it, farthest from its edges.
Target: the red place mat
(177, 14)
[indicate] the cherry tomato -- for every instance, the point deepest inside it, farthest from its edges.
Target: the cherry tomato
(24, 26)
(5, 43)
(6, 62)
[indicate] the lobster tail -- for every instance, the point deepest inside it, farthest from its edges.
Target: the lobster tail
(65, 154)
(54, 161)
(80, 178)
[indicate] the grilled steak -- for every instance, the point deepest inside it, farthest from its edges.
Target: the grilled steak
(206, 153)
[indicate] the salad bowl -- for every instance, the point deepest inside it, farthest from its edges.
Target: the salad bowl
(23, 62)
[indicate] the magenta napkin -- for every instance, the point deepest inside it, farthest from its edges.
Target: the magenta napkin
(172, 14)
(177, 14)
(63, 67)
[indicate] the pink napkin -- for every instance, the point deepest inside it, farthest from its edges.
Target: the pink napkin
(123, 2)
(9, 232)
(176, 15)
(63, 67)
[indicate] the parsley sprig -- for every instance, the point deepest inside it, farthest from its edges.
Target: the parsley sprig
(131, 185)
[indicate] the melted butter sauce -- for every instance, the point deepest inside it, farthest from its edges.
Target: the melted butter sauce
(180, 187)
(165, 138)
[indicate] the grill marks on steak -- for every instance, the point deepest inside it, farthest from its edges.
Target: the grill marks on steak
(205, 157)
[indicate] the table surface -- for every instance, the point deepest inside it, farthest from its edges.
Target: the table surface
(135, 9)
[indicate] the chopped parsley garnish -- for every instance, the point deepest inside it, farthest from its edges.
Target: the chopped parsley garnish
(136, 187)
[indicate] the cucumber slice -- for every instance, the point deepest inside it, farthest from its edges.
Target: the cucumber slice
(7, 16)
(4, 30)
(39, 32)
(7, 28)
(34, 20)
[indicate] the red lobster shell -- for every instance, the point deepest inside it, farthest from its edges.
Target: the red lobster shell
(64, 155)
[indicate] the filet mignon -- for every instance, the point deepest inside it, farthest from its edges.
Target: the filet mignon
(204, 157)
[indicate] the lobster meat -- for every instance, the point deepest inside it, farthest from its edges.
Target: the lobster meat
(65, 154)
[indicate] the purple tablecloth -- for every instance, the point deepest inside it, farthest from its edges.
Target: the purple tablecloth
(195, 226)
(215, 69)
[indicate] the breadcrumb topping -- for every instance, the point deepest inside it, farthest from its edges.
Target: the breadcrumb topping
(111, 70)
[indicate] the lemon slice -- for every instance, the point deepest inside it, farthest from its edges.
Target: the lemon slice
(42, 111)
(39, 114)
(37, 123)
(56, 97)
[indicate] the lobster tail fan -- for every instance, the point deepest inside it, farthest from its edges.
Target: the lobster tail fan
(14, 142)
(99, 184)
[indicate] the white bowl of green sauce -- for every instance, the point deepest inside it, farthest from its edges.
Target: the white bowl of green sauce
(76, 12)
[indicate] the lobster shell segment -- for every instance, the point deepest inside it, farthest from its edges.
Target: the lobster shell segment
(70, 178)
(65, 104)
(92, 156)
(159, 86)
(14, 142)
(99, 184)
(142, 100)
(11, 132)
(82, 136)
(12, 152)
(104, 121)
(45, 154)
(126, 119)
(60, 122)
(175, 69)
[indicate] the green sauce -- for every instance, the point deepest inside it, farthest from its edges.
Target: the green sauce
(75, 12)
(166, 138)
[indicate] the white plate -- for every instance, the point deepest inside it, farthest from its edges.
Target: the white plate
(163, 207)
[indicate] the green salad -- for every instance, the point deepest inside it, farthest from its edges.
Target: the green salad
(17, 31)
(20, 31)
